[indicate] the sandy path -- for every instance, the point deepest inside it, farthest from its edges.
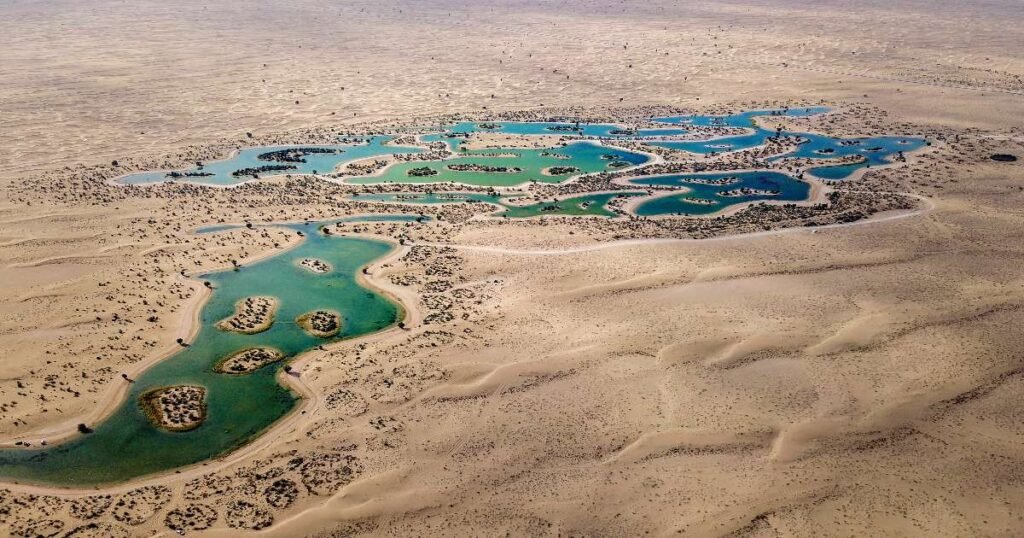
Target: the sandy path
(373, 279)
(927, 206)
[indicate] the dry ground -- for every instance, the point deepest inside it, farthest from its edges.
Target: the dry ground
(856, 381)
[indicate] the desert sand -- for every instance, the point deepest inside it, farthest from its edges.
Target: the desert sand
(778, 371)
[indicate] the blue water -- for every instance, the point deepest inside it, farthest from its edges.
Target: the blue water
(790, 189)
(322, 163)
(429, 198)
(746, 120)
(585, 156)
(586, 204)
(742, 119)
(597, 130)
(877, 150)
(817, 146)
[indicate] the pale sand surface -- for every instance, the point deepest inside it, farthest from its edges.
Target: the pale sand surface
(853, 380)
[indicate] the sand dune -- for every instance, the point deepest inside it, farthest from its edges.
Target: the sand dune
(553, 376)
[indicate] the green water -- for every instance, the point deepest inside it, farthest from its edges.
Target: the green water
(584, 205)
(587, 157)
(126, 445)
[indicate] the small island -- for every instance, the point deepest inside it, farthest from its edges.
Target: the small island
(315, 265)
(728, 180)
(295, 155)
(320, 323)
(747, 191)
(560, 170)
(252, 315)
(248, 360)
(422, 171)
(698, 201)
(177, 409)
(177, 175)
(559, 156)
(257, 170)
(484, 168)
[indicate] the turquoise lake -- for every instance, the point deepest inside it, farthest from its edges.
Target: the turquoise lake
(126, 445)
(240, 407)
(222, 171)
(505, 206)
(521, 166)
(506, 167)
(695, 202)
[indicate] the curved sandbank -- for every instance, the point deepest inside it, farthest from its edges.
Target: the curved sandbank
(927, 206)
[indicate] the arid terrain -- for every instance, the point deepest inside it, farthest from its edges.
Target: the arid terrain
(848, 368)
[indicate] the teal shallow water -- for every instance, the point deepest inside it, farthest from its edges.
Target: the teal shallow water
(239, 407)
(525, 165)
(222, 172)
(875, 151)
(587, 204)
(452, 133)
(583, 157)
(703, 199)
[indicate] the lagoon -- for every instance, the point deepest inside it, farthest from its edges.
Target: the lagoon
(239, 407)
(222, 171)
(521, 166)
(703, 198)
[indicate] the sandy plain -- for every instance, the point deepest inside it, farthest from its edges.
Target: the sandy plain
(559, 376)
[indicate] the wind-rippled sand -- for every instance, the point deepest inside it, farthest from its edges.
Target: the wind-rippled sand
(860, 380)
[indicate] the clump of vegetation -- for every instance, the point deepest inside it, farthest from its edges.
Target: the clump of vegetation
(422, 171)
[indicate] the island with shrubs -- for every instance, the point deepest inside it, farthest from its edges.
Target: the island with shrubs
(295, 155)
(248, 360)
(252, 315)
(560, 170)
(257, 170)
(315, 265)
(484, 168)
(177, 409)
(320, 323)
(422, 171)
